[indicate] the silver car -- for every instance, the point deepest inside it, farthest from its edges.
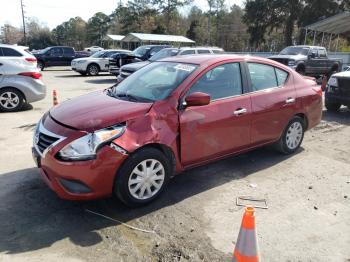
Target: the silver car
(19, 84)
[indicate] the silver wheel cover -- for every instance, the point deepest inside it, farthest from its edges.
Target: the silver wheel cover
(294, 135)
(9, 100)
(146, 179)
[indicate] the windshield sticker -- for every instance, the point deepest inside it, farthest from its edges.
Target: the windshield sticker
(184, 67)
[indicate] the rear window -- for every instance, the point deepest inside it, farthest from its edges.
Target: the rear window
(188, 52)
(68, 51)
(10, 52)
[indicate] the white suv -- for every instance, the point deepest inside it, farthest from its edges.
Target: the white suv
(17, 54)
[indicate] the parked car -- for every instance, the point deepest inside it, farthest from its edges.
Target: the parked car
(141, 53)
(308, 60)
(169, 116)
(337, 92)
(92, 65)
(18, 54)
(93, 49)
(346, 68)
(56, 56)
(128, 69)
(19, 84)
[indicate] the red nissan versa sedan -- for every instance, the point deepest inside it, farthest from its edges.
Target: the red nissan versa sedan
(169, 116)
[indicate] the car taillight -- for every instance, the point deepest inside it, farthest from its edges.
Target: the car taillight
(318, 90)
(30, 59)
(34, 75)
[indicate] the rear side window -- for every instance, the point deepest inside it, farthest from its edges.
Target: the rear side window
(68, 51)
(203, 51)
(188, 52)
(220, 82)
(56, 51)
(217, 51)
(322, 53)
(10, 52)
(264, 76)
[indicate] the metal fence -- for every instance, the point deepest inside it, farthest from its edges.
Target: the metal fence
(344, 56)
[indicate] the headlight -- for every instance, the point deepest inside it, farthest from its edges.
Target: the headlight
(80, 61)
(333, 81)
(291, 62)
(85, 148)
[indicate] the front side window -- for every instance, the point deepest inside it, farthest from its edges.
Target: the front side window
(163, 54)
(322, 53)
(203, 51)
(220, 82)
(265, 76)
(188, 52)
(153, 82)
(56, 52)
(10, 52)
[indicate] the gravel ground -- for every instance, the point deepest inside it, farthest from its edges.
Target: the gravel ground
(196, 219)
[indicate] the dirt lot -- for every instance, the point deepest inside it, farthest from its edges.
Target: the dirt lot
(196, 219)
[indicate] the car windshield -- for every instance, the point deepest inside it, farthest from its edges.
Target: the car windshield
(153, 82)
(141, 51)
(98, 54)
(164, 53)
(293, 50)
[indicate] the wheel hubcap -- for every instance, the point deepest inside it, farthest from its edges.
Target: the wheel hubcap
(93, 70)
(146, 179)
(9, 100)
(294, 135)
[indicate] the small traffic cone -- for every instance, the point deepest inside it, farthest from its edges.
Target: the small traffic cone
(324, 83)
(246, 249)
(54, 97)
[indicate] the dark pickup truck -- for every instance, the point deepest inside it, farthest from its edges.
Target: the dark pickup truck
(308, 60)
(57, 56)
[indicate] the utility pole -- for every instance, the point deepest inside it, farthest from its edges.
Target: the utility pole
(24, 24)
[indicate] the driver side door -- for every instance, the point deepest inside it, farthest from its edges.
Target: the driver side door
(221, 127)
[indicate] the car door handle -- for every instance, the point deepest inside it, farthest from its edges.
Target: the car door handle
(290, 100)
(240, 111)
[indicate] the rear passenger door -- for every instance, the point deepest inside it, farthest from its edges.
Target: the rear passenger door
(273, 101)
(68, 56)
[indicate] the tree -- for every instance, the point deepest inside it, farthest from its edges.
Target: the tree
(97, 28)
(10, 34)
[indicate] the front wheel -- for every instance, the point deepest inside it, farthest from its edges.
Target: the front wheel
(142, 177)
(292, 136)
(93, 70)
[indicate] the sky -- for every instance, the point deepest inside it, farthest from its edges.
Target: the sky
(54, 12)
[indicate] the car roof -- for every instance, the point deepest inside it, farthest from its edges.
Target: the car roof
(14, 46)
(215, 58)
(309, 46)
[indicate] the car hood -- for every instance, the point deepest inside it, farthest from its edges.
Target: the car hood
(86, 59)
(291, 57)
(96, 110)
(135, 66)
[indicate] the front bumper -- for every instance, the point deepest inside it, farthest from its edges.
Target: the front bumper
(77, 180)
(78, 67)
(335, 98)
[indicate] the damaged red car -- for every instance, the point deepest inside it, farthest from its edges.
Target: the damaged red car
(169, 116)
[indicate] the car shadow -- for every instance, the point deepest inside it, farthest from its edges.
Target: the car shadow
(26, 107)
(33, 217)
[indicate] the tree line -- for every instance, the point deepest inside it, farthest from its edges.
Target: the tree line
(261, 25)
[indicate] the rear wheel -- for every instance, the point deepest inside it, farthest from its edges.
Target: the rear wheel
(292, 136)
(93, 70)
(142, 177)
(301, 70)
(332, 106)
(40, 65)
(11, 100)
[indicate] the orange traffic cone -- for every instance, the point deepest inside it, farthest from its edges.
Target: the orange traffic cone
(324, 83)
(54, 97)
(246, 249)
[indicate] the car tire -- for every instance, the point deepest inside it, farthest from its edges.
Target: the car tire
(332, 106)
(40, 65)
(136, 179)
(292, 136)
(301, 70)
(16, 101)
(93, 70)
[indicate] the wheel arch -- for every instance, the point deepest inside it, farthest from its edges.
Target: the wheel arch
(304, 118)
(17, 89)
(94, 63)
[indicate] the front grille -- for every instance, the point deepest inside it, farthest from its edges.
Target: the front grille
(281, 60)
(45, 141)
(344, 86)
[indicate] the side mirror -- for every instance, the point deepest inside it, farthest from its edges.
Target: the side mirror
(197, 99)
(312, 55)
